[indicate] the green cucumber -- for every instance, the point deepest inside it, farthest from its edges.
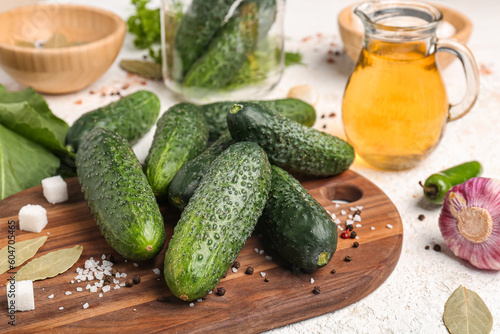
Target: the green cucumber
(295, 109)
(198, 26)
(298, 227)
(187, 179)
(119, 196)
(181, 134)
(131, 117)
(288, 144)
(232, 45)
(217, 221)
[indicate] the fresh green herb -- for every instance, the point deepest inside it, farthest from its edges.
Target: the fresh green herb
(145, 25)
(27, 113)
(293, 58)
(23, 163)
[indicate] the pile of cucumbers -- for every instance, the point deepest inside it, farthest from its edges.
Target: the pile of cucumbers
(227, 166)
(215, 38)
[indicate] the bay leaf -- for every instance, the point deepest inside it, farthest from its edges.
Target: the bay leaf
(24, 250)
(465, 313)
(49, 265)
(145, 69)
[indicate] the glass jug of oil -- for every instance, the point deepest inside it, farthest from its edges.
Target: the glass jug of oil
(395, 106)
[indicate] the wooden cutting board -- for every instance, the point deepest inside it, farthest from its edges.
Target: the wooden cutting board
(250, 305)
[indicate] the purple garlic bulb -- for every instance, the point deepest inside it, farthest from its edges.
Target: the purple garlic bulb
(470, 222)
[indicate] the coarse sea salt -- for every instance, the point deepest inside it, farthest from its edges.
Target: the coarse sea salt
(100, 295)
(312, 280)
(106, 288)
(79, 289)
(267, 257)
(191, 304)
(333, 216)
(93, 289)
(135, 264)
(389, 226)
(357, 218)
(156, 271)
(234, 269)
(86, 305)
(61, 308)
(67, 293)
(372, 228)
(199, 300)
(261, 252)
(51, 296)
(263, 274)
(359, 225)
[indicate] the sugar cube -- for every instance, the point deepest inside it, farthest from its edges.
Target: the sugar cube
(32, 218)
(20, 296)
(55, 189)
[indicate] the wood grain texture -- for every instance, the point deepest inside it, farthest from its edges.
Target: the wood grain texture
(352, 36)
(64, 69)
(250, 304)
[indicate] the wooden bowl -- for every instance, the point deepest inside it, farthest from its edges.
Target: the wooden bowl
(62, 69)
(352, 36)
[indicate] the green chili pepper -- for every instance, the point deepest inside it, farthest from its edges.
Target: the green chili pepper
(436, 185)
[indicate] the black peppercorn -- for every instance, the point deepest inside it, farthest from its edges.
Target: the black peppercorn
(129, 283)
(221, 291)
(317, 290)
(421, 217)
(236, 264)
(136, 279)
(353, 235)
(437, 248)
(355, 244)
(249, 271)
(333, 271)
(348, 258)
(349, 227)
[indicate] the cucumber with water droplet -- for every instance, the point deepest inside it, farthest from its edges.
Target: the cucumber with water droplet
(217, 221)
(119, 195)
(300, 229)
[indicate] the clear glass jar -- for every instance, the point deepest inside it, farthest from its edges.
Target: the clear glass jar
(222, 49)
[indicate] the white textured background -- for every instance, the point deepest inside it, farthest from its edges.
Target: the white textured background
(412, 299)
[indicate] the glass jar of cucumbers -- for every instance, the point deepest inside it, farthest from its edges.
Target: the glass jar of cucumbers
(222, 49)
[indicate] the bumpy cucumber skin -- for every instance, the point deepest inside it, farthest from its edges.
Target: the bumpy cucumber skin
(131, 117)
(298, 227)
(288, 144)
(187, 179)
(231, 46)
(294, 109)
(197, 28)
(119, 196)
(217, 221)
(181, 134)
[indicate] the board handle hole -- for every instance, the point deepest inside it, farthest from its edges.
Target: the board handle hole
(343, 193)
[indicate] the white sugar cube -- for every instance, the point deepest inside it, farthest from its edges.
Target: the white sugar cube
(55, 189)
(20, 296)
(32, 218)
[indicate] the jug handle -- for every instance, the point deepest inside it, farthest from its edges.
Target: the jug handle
(462, 52)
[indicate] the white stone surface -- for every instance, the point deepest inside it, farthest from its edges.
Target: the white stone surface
(413, 297)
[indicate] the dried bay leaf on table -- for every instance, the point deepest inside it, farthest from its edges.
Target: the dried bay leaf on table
(145, 69)
(465, 312)
(24, 250)
(50, 265)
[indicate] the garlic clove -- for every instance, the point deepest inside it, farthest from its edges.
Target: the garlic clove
(305, 93)
(470, 222)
